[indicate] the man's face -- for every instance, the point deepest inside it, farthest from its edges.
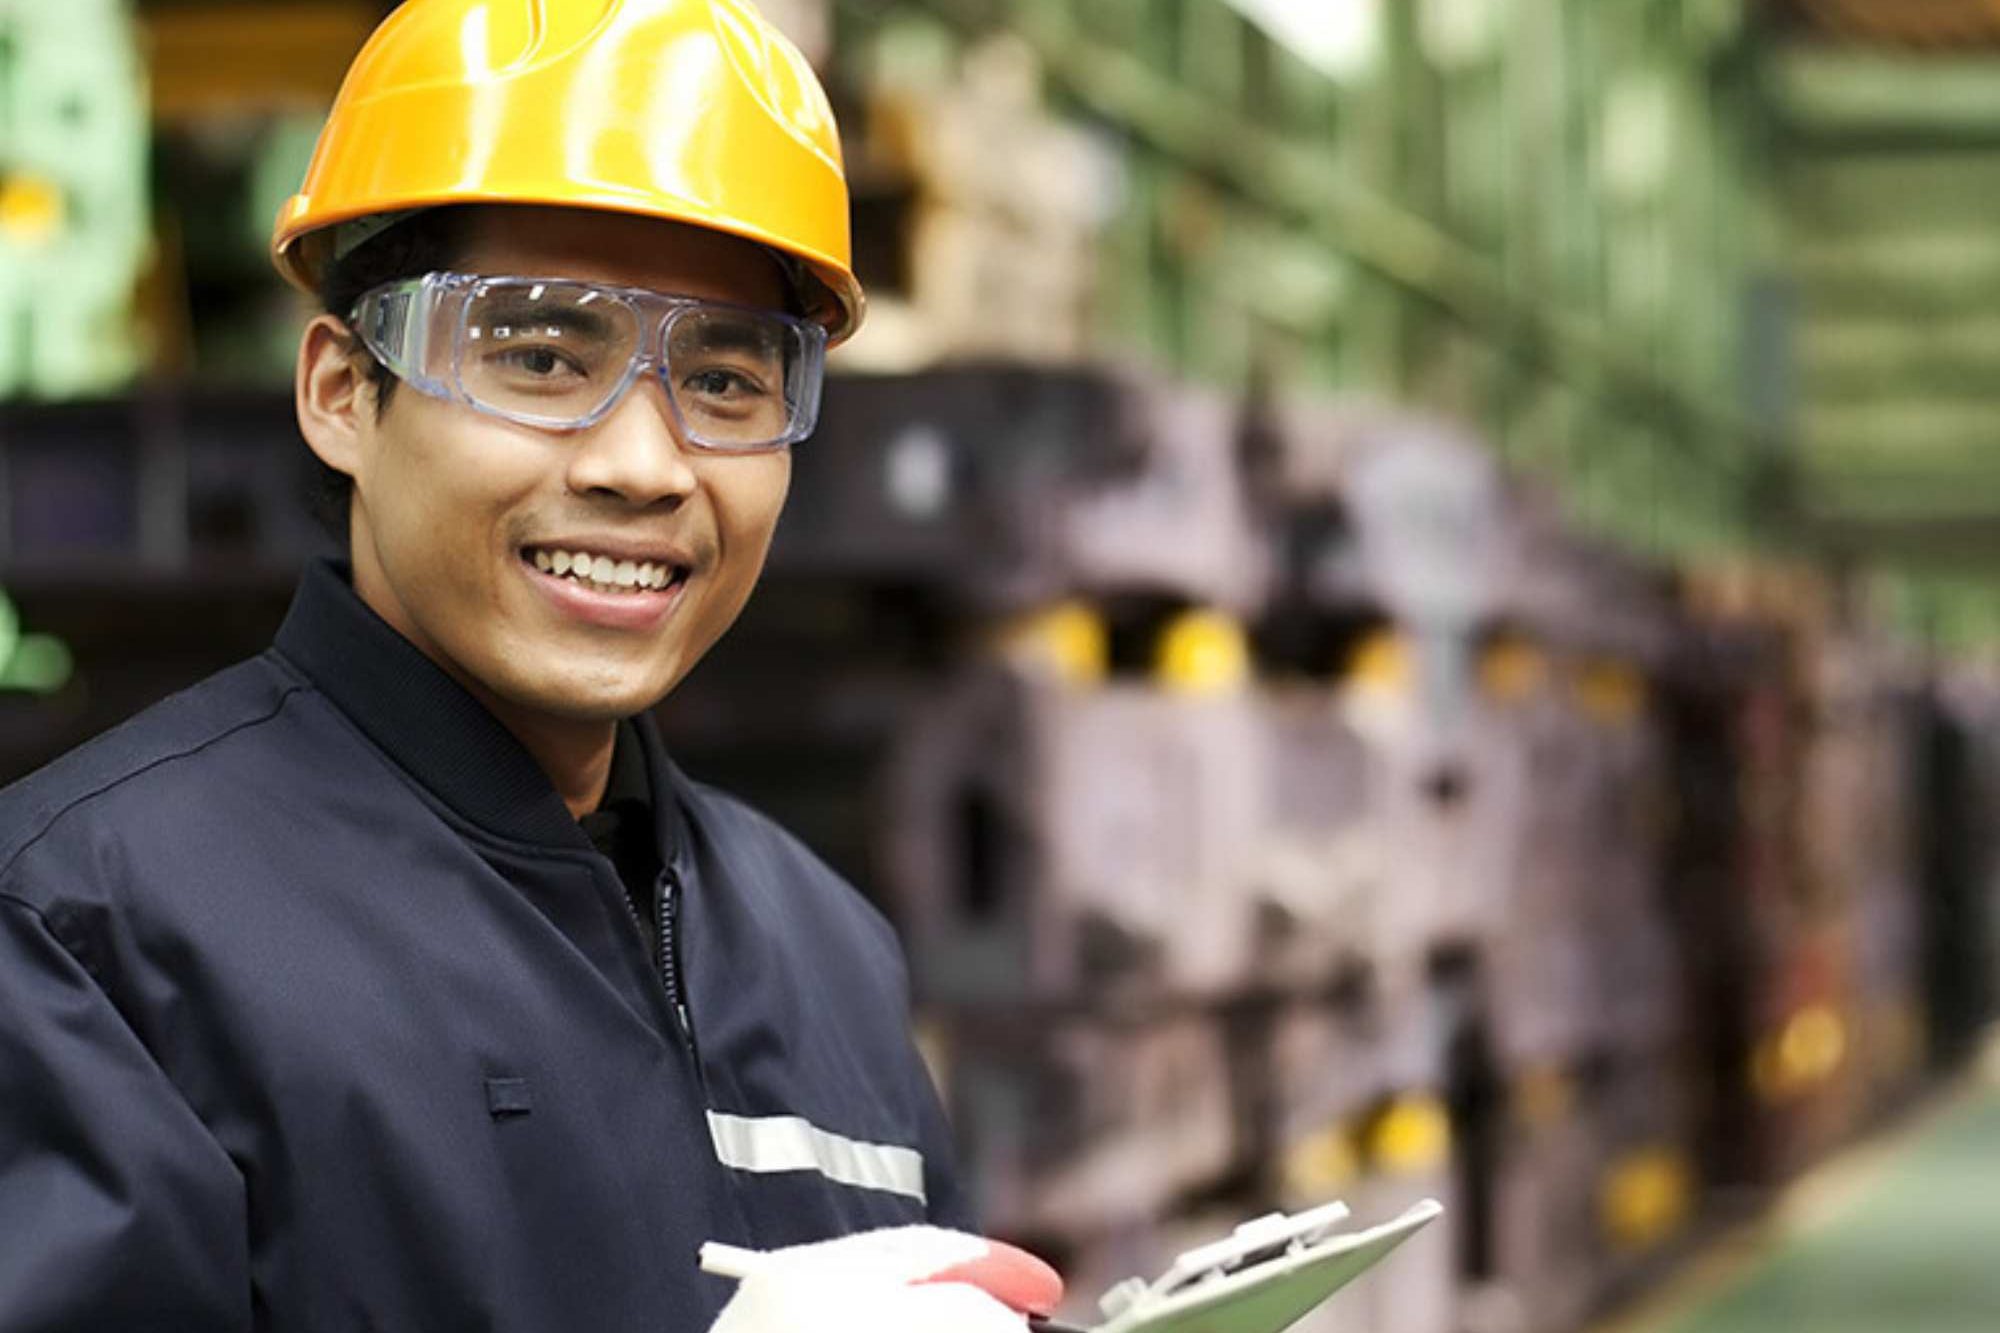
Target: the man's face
(453, 508)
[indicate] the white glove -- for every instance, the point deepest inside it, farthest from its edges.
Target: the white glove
(901, 1280)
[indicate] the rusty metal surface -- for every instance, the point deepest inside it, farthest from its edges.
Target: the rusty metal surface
(1932, 24)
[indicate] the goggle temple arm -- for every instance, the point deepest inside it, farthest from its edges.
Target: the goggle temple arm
(395, 323)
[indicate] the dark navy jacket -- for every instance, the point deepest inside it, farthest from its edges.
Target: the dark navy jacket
(318, 1011)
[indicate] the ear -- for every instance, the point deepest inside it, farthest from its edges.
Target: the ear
(331, 392)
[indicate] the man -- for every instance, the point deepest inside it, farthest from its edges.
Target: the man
(396, 978)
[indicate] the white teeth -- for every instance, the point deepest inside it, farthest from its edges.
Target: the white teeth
(603, 573)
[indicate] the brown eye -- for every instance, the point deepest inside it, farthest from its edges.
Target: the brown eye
(537, 361)
(719, 383)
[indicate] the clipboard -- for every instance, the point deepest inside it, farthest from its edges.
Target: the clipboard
(1267, 1274)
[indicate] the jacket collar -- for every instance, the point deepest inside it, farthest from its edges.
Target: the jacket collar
(430, 725)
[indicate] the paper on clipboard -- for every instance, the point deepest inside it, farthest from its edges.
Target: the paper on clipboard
(1264, 1278)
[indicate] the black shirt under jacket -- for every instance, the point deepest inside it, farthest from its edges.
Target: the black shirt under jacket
(621, 828)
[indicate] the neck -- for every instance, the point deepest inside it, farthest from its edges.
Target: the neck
(575, 755)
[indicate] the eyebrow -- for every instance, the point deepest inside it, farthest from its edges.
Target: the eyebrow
(517, 312)
(740, 333)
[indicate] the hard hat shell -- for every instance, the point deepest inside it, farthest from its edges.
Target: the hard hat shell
(692, 111)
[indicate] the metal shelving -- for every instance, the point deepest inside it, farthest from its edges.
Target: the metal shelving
(1891, 137)
(1540, 217)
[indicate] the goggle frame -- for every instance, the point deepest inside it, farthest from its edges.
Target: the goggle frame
(401, 341)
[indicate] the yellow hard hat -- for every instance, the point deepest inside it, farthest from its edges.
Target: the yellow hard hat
(692, 111)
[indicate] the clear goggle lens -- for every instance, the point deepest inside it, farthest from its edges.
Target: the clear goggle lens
(560, 355)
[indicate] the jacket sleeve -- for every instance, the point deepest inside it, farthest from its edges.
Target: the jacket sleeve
(947, 1203)
(117, 1207)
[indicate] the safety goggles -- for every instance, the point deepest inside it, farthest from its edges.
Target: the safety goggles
(559, 354)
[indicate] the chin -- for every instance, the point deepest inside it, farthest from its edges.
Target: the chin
(589, 710)
(580, 695)
(597, 705)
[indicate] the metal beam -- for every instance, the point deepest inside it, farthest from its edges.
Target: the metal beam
(1929, 257)
(1957, 389)
(1832, 345)
(1842, 296)
(1831, 193)
(1863, 481)
(1863, 96)
(1907, 372)
(1967, 544)
(1905, 430)
(1915, 497)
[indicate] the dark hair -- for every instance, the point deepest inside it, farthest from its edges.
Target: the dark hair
(427, 241)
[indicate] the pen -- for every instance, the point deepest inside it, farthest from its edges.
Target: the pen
(1041, 1324)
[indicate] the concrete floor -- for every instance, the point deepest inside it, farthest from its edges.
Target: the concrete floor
(1900, 1236)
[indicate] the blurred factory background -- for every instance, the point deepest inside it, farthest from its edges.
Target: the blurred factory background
(1399, 597)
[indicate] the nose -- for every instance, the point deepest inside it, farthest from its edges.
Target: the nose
(635, 454)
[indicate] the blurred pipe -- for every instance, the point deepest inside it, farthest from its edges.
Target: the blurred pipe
(1887, 96)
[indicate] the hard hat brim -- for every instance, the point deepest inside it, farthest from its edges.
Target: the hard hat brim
(302, 247)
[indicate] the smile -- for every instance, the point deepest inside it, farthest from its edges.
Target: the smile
(604, 574)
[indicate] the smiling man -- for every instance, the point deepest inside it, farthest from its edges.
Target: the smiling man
(397, 978)
(577, 501)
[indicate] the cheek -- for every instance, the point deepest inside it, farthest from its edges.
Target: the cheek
(442, 487)
(750, 504)
(771, 495)
(426, 526)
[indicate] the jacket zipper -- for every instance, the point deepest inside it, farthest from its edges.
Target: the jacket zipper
(667, 900)
(666, 912)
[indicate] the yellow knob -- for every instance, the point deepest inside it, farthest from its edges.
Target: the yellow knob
(1203, 652)
(1412, 1137)
(1321, 1164)
(1068, 640)
(1611, 693)
(1382, 664)
(1512, 669)
(31, 210)
(1644, 1197)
